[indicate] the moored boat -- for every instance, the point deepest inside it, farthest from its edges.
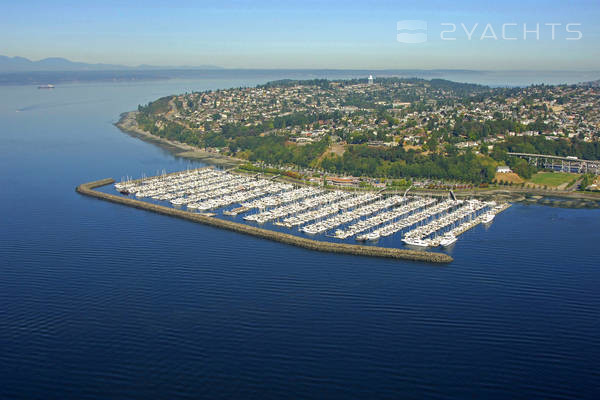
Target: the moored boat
(448, 240)
(488, 218)
(416, 242)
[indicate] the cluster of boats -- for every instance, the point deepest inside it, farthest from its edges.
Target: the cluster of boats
(235, 195)
(300, 205)
(341, 204)
(425, 221)
(282, 198)
(202, 189)
(339, 219)
(443, 231)
(162, 184)
(422, 210)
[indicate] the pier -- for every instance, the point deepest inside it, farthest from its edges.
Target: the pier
(87, 189)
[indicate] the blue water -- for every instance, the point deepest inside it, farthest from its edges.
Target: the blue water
(103, 301)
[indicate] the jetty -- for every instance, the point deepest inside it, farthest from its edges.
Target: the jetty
(88, 189)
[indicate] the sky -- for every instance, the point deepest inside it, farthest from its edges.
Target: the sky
(309, 34)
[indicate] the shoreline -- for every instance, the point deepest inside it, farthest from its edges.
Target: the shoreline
(566, 199)
(87, 189)
(127, 123)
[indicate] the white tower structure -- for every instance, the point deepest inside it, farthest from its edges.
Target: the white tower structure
(370, 79)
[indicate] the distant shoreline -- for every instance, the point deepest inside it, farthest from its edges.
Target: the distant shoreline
(503, 78)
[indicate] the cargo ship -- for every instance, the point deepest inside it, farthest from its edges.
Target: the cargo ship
(46, 87)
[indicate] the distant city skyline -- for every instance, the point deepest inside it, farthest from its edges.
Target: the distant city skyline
(464, 34)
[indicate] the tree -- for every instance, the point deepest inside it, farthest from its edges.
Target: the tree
(521, 167)
(432, 144)
(586, 181)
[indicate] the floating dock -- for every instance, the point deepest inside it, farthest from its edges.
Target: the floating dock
(370, 251)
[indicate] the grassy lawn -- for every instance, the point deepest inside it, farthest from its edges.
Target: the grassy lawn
(552, 178)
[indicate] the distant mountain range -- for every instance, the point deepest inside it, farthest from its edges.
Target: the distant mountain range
(22, 64)
(56, 70)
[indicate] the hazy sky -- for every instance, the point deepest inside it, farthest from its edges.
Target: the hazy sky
(305, 34)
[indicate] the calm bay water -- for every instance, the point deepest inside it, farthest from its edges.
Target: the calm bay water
(102, 301)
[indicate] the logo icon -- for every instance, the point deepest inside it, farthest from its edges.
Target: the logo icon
(412, 31)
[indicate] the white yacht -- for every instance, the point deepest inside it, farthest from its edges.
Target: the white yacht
(488, 218)
(373, 236)
(416, 242)
(448, 240)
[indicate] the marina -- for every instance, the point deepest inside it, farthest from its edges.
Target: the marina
(336, 215)
(89, 189)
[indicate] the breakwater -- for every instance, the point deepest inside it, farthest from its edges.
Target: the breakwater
(371, 251)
